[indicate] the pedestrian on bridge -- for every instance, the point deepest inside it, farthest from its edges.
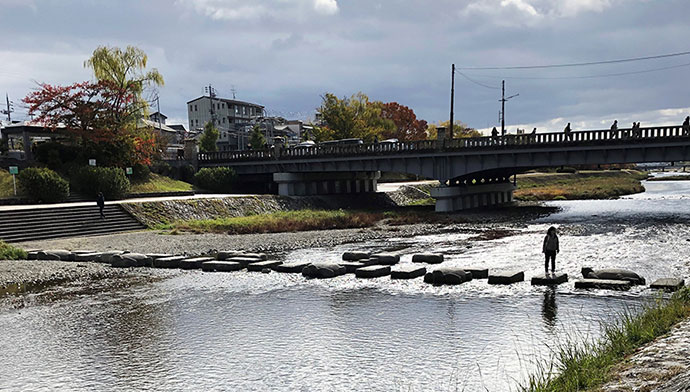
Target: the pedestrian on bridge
(494, 135)
(614, 129)
(686, 126)
(636, 131)
(568, 133)
(550, 249)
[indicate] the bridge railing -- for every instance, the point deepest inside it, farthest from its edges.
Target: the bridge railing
(623, 135)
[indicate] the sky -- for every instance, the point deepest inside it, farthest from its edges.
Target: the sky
(286, 54)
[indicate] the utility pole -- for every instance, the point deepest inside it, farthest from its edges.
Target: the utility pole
(9, 109)
(158, 107)
(211, 94)
(503, 106)
(452, 96)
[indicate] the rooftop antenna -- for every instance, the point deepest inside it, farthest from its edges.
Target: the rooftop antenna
(212, 94)
(233, 92)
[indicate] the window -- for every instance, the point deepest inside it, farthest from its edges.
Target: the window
(244, 110)
(222, 105)
(195, 109)
(223, 120)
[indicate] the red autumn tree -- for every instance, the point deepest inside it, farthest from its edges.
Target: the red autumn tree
(101, 116)
(407, 126)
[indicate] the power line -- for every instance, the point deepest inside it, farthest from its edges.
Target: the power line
(476, 82)
(580, 64)
(584, 76)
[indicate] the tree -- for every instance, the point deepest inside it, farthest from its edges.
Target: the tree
(460, 130)
(100, 116)
(207, 142)
(256, 138)
(407, 127)
(354, 117)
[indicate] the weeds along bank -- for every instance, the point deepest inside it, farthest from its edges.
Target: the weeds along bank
(583, 185)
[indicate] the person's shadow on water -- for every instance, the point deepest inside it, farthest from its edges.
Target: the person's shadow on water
(549, 308)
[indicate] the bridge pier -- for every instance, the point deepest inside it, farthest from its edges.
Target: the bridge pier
(456, 198)
(308, 184)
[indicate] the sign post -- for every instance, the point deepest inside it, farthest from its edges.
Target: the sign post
(14, 170)
(128, 171)
(92, 162)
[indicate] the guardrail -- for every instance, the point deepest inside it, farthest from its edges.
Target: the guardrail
(624, 135)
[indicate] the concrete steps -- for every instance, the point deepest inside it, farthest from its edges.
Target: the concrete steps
(47, 223)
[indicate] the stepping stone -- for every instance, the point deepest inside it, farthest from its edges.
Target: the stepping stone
(194, 262)
(431, 258)
(355, 256)
(612, 274)
(550, 279)
(292, 267)
(603, 284)
(245, 261)
(107, 257)
(386, 258)
(263, 264)
(260, 256)
(352, 266)
(451, 276)
(506, 277)
(407, 272)
(668, 284)
(226, 254)
(323, 270)
(81, 251)
(131, 260)
(33, 255)
(477, 272)
(168, 262)
(55, 254)
(87, 256)
(222, 266)
(373, 271)
(158, 255)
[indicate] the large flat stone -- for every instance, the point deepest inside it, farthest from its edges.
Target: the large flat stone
(292, 266)
(323, 270)
(260, 256)
(451, 276)
(431, 258)
(668, 284)
(222, 266)
(613, 274)
(168, 262)
(33, 255)
(131, 260)
(86, 256)
(194, 262)
(244, 260)
(506, 277)
(603, 284)
(107, 257)
(257, 267)
(55, 254)
(158, 255)
(226, 254)
(386, 258)
(550, 279)
(352, 266)
(355, 256)
(373, 271)
(407, 271)
(477, 272)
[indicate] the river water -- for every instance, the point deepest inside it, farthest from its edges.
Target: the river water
(256, 332)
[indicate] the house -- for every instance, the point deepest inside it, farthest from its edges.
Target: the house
(234, 119)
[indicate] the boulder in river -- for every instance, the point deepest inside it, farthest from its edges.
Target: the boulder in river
(194, 262)
(477, 272)
(323, 270)
(431, 258)
(168, 262)
(407, 271)
(373, 271)
(549, 279)
(352, 266)
(609, 284)
(131, 260)
(244, 260)
(447, 275)
(356, 256)
(107, 257)
(506, 277)
(613, 274)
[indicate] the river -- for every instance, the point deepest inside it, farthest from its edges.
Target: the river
(257, 332)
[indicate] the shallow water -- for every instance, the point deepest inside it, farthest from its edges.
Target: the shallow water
(250, 331)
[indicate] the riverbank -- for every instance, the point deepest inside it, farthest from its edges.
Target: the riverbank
(582, 185)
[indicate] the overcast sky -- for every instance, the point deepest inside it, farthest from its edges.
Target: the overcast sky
(285, 54)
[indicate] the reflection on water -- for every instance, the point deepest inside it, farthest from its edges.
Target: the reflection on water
(255, 332)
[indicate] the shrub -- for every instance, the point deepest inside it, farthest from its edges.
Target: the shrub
(55, 155)
(9, 252)
(187, 173)
(140, 173)
(216, 179)
(90, 180)
(41, 184)
(566, 169)
(162, 168)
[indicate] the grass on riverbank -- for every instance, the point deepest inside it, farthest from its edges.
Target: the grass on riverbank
(157, 183)
(585, 366)
(6, 187)
(579, 186)
(679, 177)
(9, 252)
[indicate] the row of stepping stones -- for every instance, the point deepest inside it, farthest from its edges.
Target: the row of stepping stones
(362, 264)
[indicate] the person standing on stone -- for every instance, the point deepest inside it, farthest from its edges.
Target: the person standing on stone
(550, 249)
(101, 204)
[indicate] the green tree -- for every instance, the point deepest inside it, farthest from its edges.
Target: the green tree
(207, 142)
(256, 138)
(354, 117)
(460, 130)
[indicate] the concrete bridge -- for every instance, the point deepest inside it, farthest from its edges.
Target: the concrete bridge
(474, 172)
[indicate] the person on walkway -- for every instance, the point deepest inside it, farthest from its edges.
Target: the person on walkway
(101, 204)
(550, 249)
(636, 131)
(494, 135)
(614, 129)
(567, 132)
(686, 126)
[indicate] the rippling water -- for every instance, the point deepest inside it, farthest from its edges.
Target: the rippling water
(254, 332)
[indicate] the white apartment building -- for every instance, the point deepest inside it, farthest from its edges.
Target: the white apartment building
(233, 119)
